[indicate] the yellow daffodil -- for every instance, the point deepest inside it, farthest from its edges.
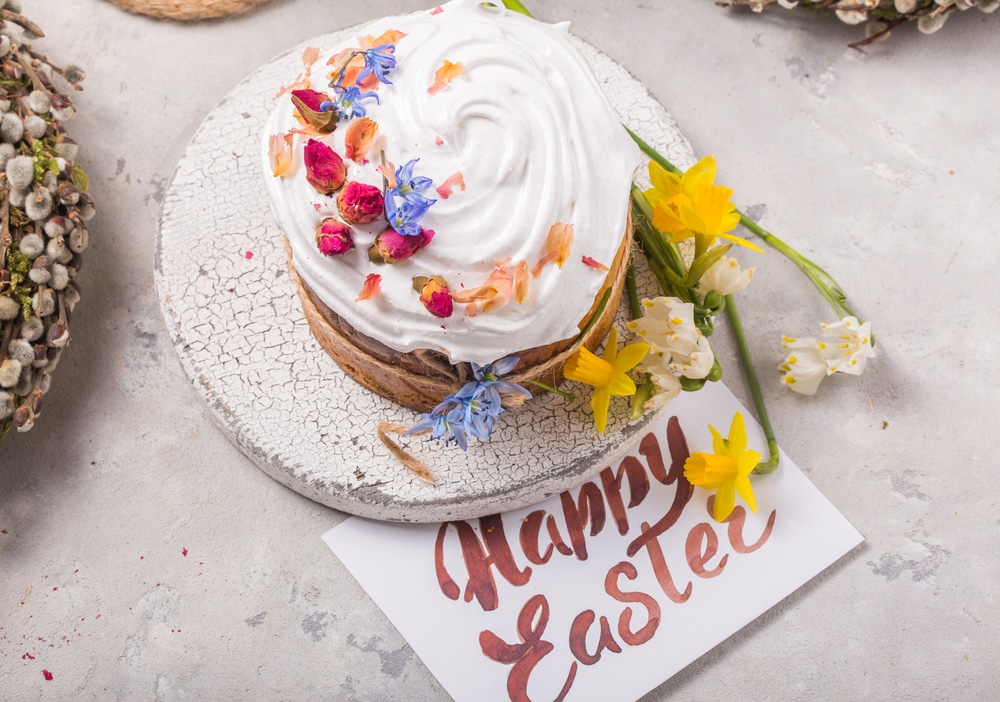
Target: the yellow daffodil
(692, 206)
(608, 375)
(726, 470)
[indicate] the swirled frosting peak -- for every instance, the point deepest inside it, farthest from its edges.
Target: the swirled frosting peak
(529, 173)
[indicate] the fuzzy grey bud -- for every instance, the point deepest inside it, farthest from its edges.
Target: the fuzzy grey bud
(11, 128)
(4, 47)
(13, 6)
(21, 351)
(17, 198)
(20, 169)
(38, 205)
(9, 309)
(54, 355)
(46, 381)
(68, 193)
(35, 126)
(6, 405)
(39, 102)
(86, 207)
(57, 336)
(60, 276)
(24, 418)
(78, 239)
(6, 153)
(32, 245)
(24, 382)
(40, 272)
(51, 182)
(56, 248)
(64, 114)
(32, 329)
(72, 295)
(43, 302)
(67, 147)
(55, 226)
(10, 373)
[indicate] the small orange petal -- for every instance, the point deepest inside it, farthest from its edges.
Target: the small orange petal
(522, 283)
(445, 189)
(389, 36)
(372, 287)
(445, 75)
(301, 82)
(309, 56)
(483, 293)
(358, 138)
(557, 245)
(536, 270)
(279, 152)
(588, 261)
(388, 172)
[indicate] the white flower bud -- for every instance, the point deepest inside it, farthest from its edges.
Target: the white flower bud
(10, 373)
(55, 248)
(60, 276)
(38, 206)
(46, 381)
(32, 329)
(13, 6)
(57, 336)
(51, 182)
(852, 16)
(35, 126)
(11, 128)
(9, 309)
(39, 102)
(32, 245)
(788, 4)
(6, 405)
(72, 296)
(64, 114)
(988, 6)
(4, 48)
(86, 207)
(20, 171)
(906, 6)
(21, 351)
(67, 147)
(55, 226)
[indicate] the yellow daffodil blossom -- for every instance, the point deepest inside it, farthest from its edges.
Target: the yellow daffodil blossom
(608, 375)
(726, 470)
(692, 206)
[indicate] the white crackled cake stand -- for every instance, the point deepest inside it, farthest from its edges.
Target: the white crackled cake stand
(234, 317)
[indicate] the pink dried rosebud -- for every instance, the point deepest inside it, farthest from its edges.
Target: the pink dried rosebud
(334, 238)
(392, 247)
(309, 105)
(434, 295)
(360, 203)
(325, 169)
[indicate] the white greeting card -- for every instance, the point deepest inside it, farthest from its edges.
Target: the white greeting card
(605, 591)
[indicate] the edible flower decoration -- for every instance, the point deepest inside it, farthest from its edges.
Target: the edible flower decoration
(608, 376)
(473, 410)
(726, 470)
(360, 203)
(444, 75)
(325, 169)
(392, 247)
(404, 203)
(434, 295)
(309, 104)
(334, 238)
(347, 102)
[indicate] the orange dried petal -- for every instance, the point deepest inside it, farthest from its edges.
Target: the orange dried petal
(358, 138)
(483, 293)
(309, 56)
(445, 189)
(389, 36)
(372, 287)
(588, 261)
(279, 153)
(445, 75)
(522, 283)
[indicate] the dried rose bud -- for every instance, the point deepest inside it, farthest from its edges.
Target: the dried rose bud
(434, 295)
(308, 103)
(360, 203)
(392, 247)
(334, 238)
(325, 169)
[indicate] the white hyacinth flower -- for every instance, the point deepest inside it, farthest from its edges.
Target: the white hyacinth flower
(666, 383)
(667, 324)
(846, 345)
(725, 277)
(695, 364)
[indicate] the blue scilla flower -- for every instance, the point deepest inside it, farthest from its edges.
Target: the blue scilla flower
(348, 102)
(489, 382)
(479, 415)
(446, 422)
(409, 187)
(405, 217)
(379, 60)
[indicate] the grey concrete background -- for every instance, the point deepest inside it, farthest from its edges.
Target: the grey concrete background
(142, 556)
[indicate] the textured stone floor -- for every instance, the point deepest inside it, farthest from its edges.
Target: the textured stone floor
(143, 556)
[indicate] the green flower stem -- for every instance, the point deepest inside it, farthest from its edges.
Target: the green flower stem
(823, 281)
(665, 252)
(516, 7)
(633, 293)
(565, 395)
(751, 375)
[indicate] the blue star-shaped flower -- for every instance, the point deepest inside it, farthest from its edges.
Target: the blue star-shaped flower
(379, 60)
(348, 102)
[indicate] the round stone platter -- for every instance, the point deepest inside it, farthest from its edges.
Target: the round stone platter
(234, 317)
